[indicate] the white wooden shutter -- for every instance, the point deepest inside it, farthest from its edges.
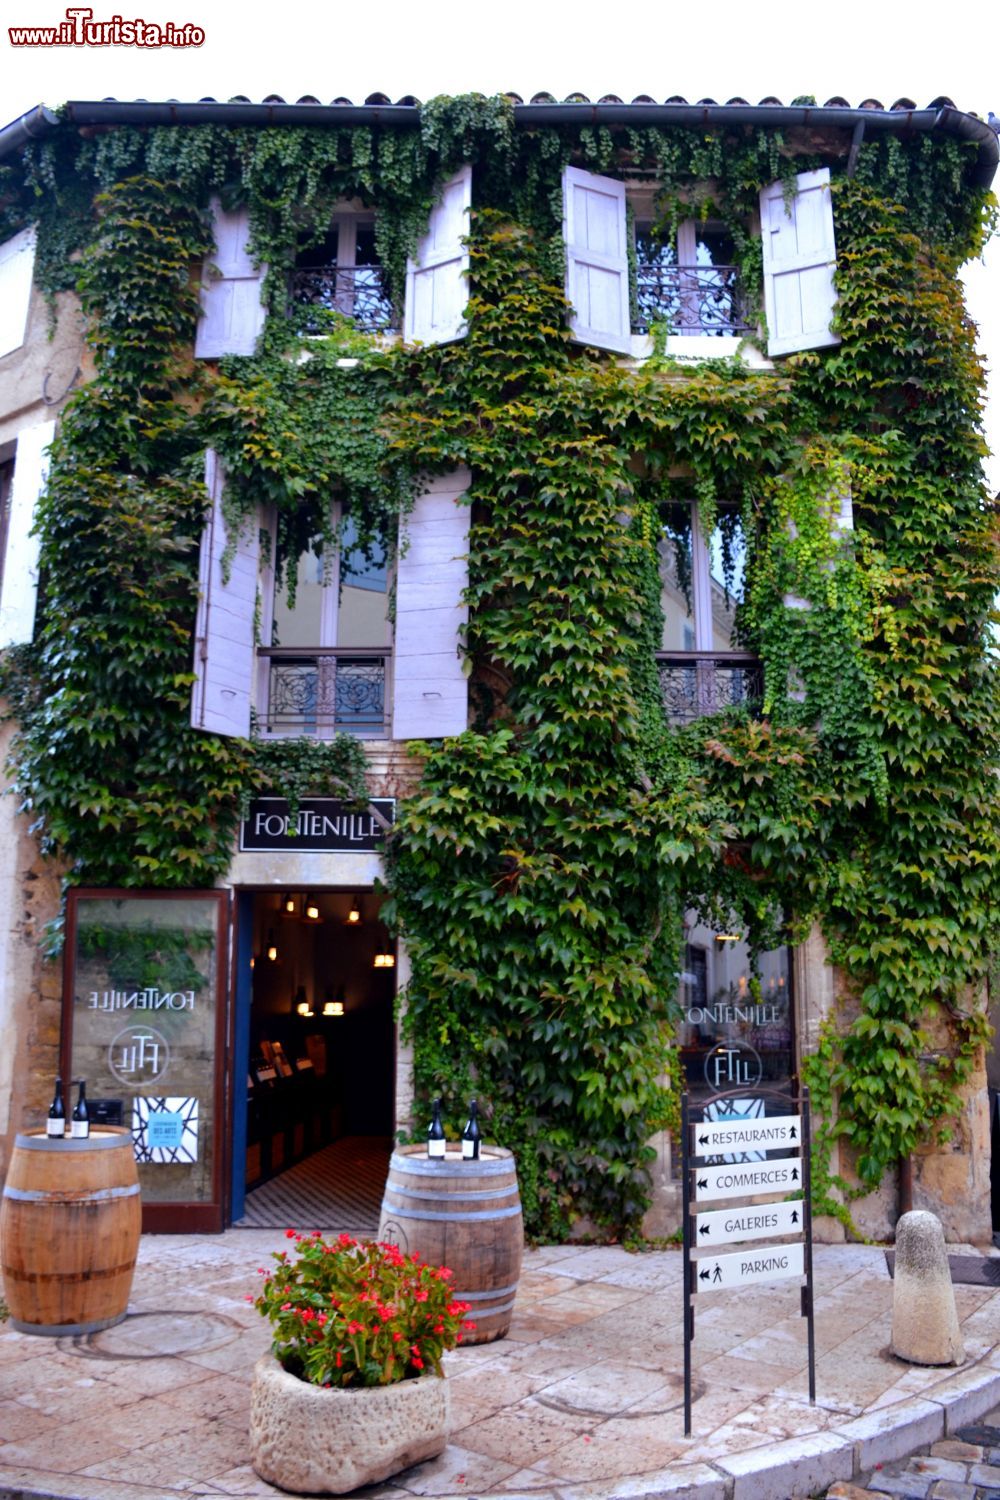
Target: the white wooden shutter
(224, 655)
(800, 256)
(437, 290)
(232, 313)
(595, 229)
(19, 566)
(430, 690)
(17, 263)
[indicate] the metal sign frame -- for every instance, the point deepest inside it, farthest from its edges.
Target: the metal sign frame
(692, 1115)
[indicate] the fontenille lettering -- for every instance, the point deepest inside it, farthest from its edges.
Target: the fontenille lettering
(148, 999)
(354, 827)
(757, 1015)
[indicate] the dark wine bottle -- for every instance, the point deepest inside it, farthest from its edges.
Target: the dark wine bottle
(79, 1127)
(55, 1126)
(471, 1135)
(435, 1136)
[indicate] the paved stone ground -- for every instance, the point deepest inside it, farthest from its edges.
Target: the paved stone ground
(583, 1401)
(965, 1467)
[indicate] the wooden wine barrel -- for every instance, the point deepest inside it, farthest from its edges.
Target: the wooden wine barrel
(69, 1231)
(462, 1214)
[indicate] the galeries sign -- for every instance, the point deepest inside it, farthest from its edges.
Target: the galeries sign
(323, 823)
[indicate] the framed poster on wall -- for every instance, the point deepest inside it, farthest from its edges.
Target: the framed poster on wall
(144, 1022)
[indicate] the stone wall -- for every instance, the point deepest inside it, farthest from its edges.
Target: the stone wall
(30, 987)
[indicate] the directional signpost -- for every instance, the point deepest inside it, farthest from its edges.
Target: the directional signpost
(716, 1169)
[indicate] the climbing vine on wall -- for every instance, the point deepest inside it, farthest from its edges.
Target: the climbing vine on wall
(542, 870)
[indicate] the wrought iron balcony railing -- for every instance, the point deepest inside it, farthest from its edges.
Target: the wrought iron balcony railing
(326, 690)
(694, 684)
(688, 299)
(359, 292)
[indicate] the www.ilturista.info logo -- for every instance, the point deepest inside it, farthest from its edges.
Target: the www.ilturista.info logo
(80, 30)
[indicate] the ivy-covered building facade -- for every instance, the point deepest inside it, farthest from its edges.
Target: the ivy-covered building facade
(495, 602)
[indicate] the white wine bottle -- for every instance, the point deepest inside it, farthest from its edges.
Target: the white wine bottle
(435, 1136)
(471, 1135)
(55, 1125)
(79, 1125)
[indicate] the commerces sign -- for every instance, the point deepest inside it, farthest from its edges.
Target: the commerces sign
(322, 823)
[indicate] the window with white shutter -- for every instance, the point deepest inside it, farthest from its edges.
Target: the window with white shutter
(224, 632)
(232, 313)
(19, 564)
(430, 689)
(437, 289)
(800, 257)
(595, 232)
(17, 263)
(324, 661)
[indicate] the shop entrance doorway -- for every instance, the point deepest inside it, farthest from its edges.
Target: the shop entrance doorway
(315, 1060)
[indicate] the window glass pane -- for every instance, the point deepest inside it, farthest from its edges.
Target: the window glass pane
(714, 247)
(144, 1025)
(303, 624)
(676, 596)
(325, 253)
(364, 251)
(727, 557)
(363, 606)
(730, 1036)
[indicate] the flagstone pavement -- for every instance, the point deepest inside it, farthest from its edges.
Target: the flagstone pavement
(582, 1401)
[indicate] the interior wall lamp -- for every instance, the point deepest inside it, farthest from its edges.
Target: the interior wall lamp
(385, 961)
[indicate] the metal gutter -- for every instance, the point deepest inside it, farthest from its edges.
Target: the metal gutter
(32, 126)
(110, 112)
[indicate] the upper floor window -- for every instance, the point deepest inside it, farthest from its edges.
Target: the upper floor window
(333, 647)
(342, 274)
(326, 619)
(701, 665)
(690, 283)
(23, 470)
(6, 485)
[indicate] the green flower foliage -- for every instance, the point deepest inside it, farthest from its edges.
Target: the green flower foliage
(541, 872)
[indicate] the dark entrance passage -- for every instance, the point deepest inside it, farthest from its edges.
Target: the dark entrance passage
(319, 1045)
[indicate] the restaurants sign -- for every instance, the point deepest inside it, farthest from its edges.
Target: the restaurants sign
(323, 823)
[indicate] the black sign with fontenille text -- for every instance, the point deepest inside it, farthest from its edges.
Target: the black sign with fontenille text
(323, 823)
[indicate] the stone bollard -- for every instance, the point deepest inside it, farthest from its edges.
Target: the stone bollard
(924, 1321)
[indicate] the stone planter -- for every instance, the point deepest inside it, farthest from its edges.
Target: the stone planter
(305, 1438)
